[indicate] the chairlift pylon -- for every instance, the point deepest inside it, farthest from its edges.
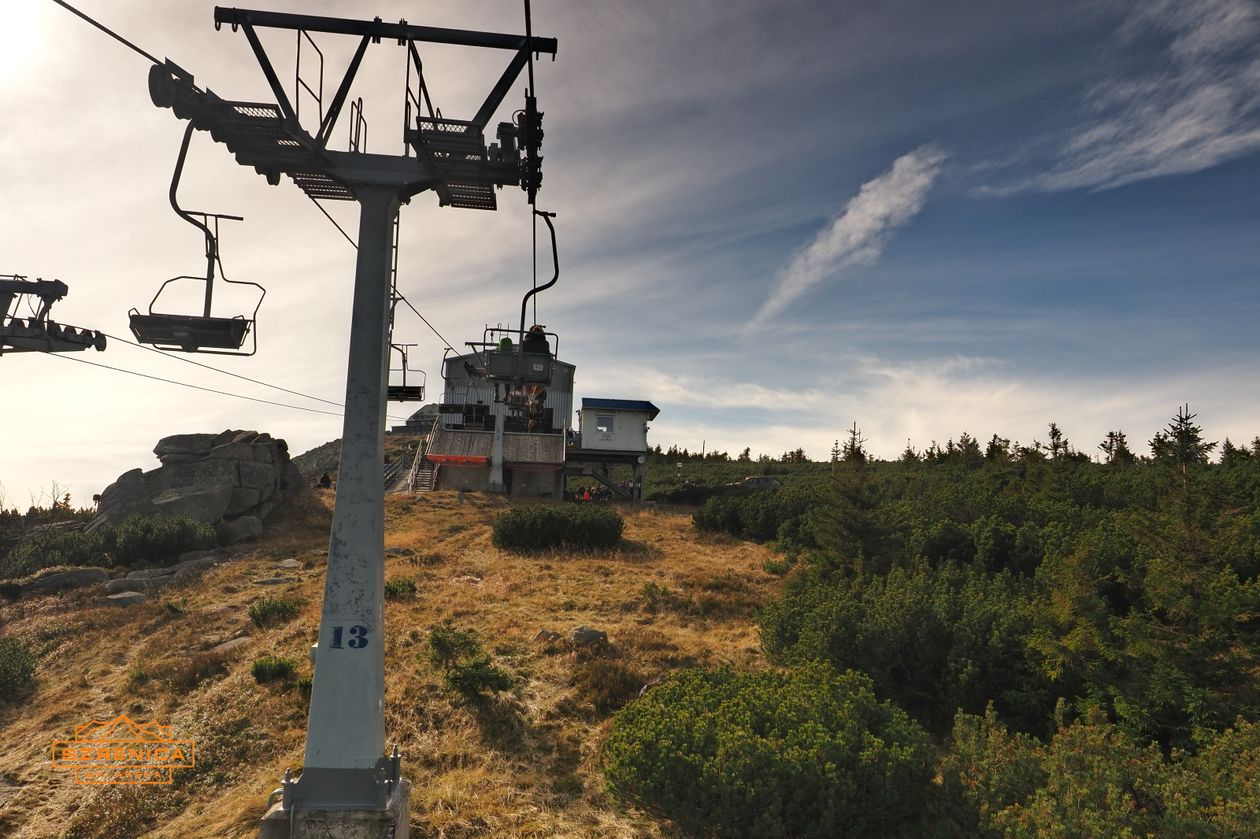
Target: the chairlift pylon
(203, 333)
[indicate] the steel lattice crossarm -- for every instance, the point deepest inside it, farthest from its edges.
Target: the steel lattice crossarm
(452, 158)
(37, 333)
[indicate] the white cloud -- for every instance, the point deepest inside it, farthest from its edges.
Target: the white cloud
(857, 235)
(1199, 107)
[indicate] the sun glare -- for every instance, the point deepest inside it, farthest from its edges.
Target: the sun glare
(22, 25)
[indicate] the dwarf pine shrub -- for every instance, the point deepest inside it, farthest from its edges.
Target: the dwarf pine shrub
(273, 610)
(272, 668)
(809, 753)
(160, 538)
(583, 526)
(466, 667)
(156, 538)
(17, 668)
(400, 587)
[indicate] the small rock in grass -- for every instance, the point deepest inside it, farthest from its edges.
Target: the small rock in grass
(123, 598)
(585, 636)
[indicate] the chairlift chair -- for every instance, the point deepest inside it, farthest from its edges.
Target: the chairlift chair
(204, 333)
(403, 392)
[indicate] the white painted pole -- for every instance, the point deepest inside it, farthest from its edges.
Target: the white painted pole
(346, 729)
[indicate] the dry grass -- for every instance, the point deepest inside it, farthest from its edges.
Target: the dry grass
(519, 764)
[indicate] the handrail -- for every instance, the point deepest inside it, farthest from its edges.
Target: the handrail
(415, 466)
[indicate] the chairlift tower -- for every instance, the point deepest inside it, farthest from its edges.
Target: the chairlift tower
(348, 786)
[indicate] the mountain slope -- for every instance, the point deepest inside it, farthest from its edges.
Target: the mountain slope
(521, 763)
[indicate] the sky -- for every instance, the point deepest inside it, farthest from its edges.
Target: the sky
(775, 220)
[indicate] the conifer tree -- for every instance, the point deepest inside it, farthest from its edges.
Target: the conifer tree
(968, 450)
(998, 450)
(1058, 443)
(1232, 455)
(1116, 449)
(854, 450)
(1182, 444)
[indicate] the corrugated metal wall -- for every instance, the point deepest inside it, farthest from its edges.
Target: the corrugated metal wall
(560, 396)
(462, 389)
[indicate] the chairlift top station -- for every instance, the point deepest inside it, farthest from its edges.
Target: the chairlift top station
(348, 786)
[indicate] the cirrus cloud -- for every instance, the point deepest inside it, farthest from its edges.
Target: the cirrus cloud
(859, 233)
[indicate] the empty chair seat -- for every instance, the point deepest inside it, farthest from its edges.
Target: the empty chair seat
(405, 393)
(190, 333)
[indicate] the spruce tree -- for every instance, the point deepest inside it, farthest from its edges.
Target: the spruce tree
(998, 450)
(854, 450)
(1182, 444)
(1058, 444)
(1116, 448)
(1232, 455)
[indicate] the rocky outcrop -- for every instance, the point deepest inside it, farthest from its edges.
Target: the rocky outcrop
(191, 565)
(233, 480)
(64, 580)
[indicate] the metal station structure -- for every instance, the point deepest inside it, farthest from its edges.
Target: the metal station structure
(348, 786)
(38, 332)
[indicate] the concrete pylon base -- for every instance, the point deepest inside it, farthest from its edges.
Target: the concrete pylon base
(391, 823)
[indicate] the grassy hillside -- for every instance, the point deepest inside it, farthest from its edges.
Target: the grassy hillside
(521, 763)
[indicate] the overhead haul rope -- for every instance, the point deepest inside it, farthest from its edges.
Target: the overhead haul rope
(120, 39)
(319, 206)
(224, 372)
(111, 33)
(194, 387)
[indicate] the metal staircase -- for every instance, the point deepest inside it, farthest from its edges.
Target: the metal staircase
(425, 478)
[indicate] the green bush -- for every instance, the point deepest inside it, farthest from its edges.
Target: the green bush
(466, 667)
(272, 668)
(273, 610)
(934, 639)
(1145, 617)
(810, 753)
(583, 526)
(1095, 779)
(17, 668)
(160, 539)
(400, 587)
(762, 515)
(56, 546)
